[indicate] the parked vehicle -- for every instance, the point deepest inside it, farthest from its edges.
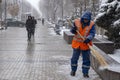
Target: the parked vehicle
(14, 23)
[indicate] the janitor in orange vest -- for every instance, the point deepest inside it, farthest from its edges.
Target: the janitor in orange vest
(86, 28)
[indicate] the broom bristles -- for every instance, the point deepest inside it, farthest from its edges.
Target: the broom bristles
(95, 53)
(98, 56)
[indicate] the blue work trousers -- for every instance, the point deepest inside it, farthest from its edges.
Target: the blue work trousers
(85, 60)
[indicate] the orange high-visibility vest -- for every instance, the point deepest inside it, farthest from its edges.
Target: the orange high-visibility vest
(77, 42)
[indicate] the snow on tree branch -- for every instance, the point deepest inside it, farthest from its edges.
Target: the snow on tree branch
(109, 19)
(108, 14)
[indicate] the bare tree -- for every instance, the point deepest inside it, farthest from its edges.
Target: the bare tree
(51, 8)
(0, 10)
(56, 8)
(13, 10)
(94, 6)
(81, 4)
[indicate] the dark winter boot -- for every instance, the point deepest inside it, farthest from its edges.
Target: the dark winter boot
(72, 73)
(85, 75)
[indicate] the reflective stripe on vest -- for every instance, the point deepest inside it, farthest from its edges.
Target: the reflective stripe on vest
(78, 38)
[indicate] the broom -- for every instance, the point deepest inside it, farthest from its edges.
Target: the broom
(99, 57)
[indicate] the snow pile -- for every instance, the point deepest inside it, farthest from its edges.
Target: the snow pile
(114, 67)
(111, 67)
(116, 55)
(63, 29)
(102, 39)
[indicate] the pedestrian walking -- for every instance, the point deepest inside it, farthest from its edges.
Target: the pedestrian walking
(34, 25)
(43, 21)
(29, 27)
(86, 28)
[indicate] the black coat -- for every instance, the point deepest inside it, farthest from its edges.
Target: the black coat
(29, 23)
(35, 22)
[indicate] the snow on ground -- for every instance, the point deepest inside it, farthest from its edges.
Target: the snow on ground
(63, 29)
(114, 67)
(52, 26)
(61, 57)
(102, 39)
(65, 70)
(116, 55)
(51, 31)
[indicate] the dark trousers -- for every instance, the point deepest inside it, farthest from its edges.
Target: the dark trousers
(33, 31)
(29, 33)
(85, 60)
(42, 22)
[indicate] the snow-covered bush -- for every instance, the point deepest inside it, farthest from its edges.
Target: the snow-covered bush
(109, 18)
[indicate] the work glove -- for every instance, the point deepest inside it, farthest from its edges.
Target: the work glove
(87, 41)
(73, 30)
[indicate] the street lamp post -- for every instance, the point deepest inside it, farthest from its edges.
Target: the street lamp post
(0, 10)
(62, 9)
(5, 14)
(0, 1)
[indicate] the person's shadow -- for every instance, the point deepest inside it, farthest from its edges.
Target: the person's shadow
(30, 51)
